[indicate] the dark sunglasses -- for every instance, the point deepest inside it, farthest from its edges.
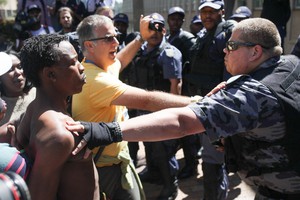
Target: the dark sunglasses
(233, 45)
(108, 38)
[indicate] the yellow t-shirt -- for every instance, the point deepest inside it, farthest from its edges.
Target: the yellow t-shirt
(94, 102)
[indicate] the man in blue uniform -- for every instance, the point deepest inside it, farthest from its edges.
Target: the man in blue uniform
(196, 25)
(158, 66)
(184, 40)
(207, 70)
(121, 22)
(241, 13)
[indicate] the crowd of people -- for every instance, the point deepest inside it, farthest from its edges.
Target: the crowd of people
(79, 92)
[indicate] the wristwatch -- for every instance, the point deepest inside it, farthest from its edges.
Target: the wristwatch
(139, 38)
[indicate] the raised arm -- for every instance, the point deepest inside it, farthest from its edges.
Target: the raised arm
(129, 51)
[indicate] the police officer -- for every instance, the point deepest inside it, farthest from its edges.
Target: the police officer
(241, 13)
(181, 39)
(184, 40)
(158, 66)
(207, 70)
(196, 25)
(121, 22)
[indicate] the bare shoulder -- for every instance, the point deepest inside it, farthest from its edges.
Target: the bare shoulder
(51, 127)
(46, 134)
(53, 133)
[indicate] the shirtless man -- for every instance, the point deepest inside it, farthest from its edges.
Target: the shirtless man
(50, 63)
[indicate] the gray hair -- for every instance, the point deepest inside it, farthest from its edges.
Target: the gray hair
(260, 31)
(87, 28)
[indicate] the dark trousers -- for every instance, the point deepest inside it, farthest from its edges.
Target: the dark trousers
(215, 181)
(159, 153)
(190, 146)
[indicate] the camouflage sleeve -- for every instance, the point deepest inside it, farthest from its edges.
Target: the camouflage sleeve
(245, 104)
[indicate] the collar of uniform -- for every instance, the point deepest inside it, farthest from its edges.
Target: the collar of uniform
(270, 62)
(171, 38)
(144, 46)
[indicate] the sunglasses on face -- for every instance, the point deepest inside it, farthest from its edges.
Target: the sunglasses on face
(233, 45)
(107, 38)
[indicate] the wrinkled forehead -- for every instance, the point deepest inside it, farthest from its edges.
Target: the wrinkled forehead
(105, 29)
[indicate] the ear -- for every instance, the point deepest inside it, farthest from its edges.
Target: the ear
(49, 73)
(223, 12)
(88, 45)
(257, 52)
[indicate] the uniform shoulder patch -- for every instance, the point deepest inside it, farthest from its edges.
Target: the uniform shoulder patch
(169, 52)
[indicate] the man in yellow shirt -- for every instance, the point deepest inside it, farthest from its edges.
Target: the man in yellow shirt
(104, 98)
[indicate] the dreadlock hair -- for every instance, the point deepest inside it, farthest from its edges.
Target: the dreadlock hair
(39, 52)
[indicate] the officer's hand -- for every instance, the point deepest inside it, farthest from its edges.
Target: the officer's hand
(217, 88)
(75, 127)
(80, 146)
(95, 134)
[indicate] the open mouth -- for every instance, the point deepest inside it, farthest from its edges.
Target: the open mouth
(18, 81)
(113, 53)
(84, 77)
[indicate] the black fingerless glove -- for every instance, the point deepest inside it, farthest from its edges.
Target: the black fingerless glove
(99, 134)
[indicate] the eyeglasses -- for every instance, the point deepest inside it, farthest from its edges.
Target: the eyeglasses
(233, 45)
(107, 38)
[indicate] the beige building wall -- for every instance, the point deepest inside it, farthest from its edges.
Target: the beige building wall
(8, 11)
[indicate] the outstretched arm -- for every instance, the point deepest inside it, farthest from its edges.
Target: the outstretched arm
(162, 125)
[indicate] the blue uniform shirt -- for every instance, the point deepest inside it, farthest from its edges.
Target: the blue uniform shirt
(169, 58)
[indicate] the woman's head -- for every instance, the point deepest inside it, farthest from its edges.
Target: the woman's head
(13, 83)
